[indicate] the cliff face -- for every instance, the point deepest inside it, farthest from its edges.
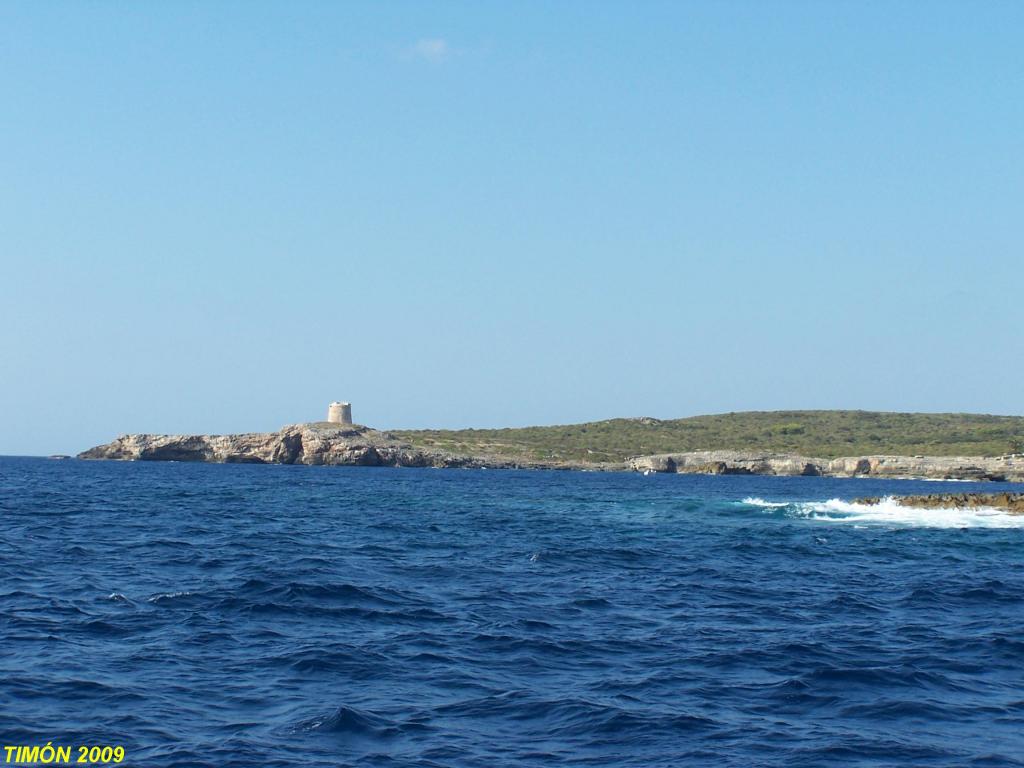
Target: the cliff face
(298, 444)
(1010, 468)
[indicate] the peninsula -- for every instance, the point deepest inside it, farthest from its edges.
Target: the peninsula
(826, 443)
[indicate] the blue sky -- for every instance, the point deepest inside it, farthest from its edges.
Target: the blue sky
(218, 217)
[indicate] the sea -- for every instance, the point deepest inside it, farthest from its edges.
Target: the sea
(238, 615)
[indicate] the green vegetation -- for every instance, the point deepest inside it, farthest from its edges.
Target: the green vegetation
(822, 434)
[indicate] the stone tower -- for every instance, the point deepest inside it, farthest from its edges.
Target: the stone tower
(339, 413)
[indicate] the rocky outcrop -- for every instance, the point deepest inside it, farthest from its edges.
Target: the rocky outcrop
(1008, 502)
(1010, 468)
(730, 463)
(318, 443)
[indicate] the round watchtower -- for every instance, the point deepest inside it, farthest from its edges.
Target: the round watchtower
(339, 413)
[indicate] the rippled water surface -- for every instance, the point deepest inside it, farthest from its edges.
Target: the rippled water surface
(271, 615)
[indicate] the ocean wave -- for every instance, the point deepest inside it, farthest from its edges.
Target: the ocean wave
(347, 720)
(888, 512)
(757, 501)
(165, 596)
(355, 723)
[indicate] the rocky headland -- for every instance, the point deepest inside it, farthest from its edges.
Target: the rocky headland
(318, 443)
(323, 443)
(313, 444)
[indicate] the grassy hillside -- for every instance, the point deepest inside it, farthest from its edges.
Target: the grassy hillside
(824, 434)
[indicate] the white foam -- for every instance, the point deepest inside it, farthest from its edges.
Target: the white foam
(888, 512)
(756, 501)
(168, 596)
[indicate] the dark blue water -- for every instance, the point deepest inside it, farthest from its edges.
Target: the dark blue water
(271, 616)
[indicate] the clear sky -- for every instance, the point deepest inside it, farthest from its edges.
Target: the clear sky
(219, 216)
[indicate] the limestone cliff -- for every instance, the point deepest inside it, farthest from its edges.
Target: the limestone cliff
(1010, 468)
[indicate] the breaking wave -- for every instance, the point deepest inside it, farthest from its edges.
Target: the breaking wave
(888, 512)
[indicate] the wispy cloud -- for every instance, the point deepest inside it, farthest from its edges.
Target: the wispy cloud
(431, 49)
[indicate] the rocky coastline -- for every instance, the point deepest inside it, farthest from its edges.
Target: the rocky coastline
(323, 443)
(978, 468)
(1012, 503)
